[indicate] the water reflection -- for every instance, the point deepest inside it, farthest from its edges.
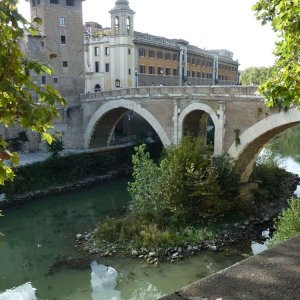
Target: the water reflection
(287, 146)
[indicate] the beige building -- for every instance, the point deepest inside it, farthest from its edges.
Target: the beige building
(119, 57)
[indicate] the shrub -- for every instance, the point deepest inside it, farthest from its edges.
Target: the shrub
(228, 178)
(184, 187)
(269, 171)
(146, 187)
(109, 230)
(288, 223)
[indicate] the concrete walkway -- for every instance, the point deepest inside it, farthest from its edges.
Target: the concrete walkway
(273, 275)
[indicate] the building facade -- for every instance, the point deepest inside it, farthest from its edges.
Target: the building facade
(60, 45)
(119, 57)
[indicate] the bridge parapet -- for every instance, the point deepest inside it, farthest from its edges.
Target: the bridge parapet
(214, 92)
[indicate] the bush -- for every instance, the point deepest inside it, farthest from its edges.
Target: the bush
(109, 230)
(228, 178)
(184, 188)
(269, 171)
(288, 223)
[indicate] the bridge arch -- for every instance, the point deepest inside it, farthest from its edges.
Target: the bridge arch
(256, 137)
(203, 107)
(123, 106)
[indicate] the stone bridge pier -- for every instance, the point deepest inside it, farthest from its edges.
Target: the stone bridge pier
(242, 123)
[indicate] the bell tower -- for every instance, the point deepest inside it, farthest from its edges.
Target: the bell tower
(122, 18)
(122, 46)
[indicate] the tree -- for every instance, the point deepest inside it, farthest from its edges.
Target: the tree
(283, 89)
(256, 75)
(22, 101)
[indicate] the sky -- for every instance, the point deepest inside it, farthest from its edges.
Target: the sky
(209, 24)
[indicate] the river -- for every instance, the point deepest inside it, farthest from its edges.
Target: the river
(38, 233)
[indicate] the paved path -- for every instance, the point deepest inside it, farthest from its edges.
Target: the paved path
(271, 275)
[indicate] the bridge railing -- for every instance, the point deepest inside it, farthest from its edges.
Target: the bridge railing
(171, 91)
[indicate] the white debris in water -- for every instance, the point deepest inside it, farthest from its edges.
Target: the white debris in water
(266, 233)
(258, 248)
(23, 292)
(103, 281)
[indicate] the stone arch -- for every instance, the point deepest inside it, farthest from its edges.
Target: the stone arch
(200, 106)
(256, 137)
(127, 105)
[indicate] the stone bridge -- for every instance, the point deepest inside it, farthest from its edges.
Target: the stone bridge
(243, 125)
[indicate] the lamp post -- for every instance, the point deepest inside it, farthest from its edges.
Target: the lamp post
(136, 78)
(181, 60)
(161, 72)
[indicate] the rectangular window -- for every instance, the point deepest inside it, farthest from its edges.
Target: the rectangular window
(198, 75)
(175, 72)
(65, 64)
(151, 70)
(38, 2)
(193, 74)
(141, 52)
(188, 60)
(142, 69)
(151, 53)
(129, 51)
(107, 51)
(33, 3)
(62, 21)
(129, 71)
(43, 79)
(188, 74)
(159, 55)
(97, 66)
(175, 57)
(160, 71)
(106, 67)
(168, 71)
(63, 39)
(198, 62)
(168, 56)
(70, 2)
(96, 51)
(203, 75)
(193, 61)
(54, 1)
(55, 80)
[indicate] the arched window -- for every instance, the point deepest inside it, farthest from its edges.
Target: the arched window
(97, 88)
(117, 83)
(117, 24)
(128, 25)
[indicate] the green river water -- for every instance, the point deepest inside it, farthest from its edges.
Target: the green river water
(39, 232)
